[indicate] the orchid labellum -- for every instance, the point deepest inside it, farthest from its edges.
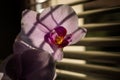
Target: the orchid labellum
(41, 41)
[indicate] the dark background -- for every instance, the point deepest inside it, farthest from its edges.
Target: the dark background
(10, 16)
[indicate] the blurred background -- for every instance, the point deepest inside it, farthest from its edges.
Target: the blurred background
(96, 57)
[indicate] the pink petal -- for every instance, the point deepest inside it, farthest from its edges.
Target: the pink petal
(78, 35)
(46, 18)
(71, 24)
(32, 32)
(37, 39)
(60, 15)
(28, 20)
(58, 55)
(68, 19)
(48, 48)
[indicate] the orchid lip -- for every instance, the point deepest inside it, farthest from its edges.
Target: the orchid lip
(58, 37)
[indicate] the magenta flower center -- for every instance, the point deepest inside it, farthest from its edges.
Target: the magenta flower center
(58, 37)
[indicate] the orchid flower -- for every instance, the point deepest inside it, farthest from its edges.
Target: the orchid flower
(52, 30)
(41, 41)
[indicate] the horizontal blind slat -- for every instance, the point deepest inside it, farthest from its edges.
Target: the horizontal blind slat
(79, 2)
(100, 41)
(64, 74)
(99, 11)
(67, 64)
(70, 75)
(94, 56)
(102, 26)
(73, 2)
